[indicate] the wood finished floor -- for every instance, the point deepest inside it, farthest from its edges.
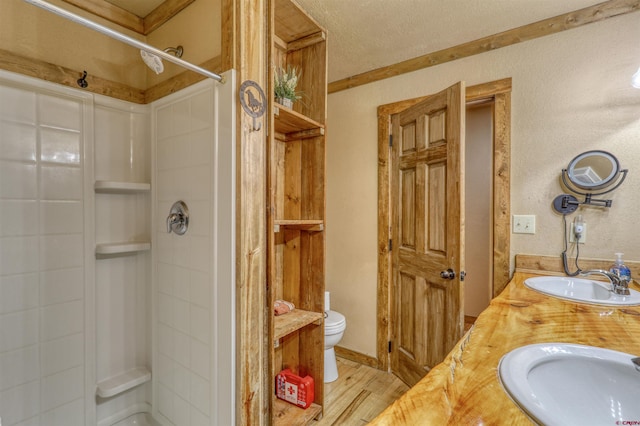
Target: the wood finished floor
(359, 394)
(362, 392)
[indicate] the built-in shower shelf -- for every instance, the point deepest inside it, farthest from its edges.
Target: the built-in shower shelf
(122, 248)
(123, 382)
(113, 187)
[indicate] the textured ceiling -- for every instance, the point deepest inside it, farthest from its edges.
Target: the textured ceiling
(368, 34)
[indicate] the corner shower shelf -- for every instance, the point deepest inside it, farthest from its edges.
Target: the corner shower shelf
(122, 248)
(294, 320)
(123, 382)
(112, 187)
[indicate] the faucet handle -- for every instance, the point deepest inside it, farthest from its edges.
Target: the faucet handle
(171, 219)
(178, 219)
(618, 285)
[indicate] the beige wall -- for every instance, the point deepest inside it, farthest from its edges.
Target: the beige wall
(35, 33)
(478, 209)
(571, 93)
(198, 28)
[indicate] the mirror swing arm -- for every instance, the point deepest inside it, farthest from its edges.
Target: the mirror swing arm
(584, 176)
(582, 181)
(566, 203)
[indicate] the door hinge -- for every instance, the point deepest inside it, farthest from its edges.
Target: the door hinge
(390, 140)
(390, 245)
(389, 346)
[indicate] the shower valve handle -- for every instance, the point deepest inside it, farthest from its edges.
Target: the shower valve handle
(178, 219)
(174, 218)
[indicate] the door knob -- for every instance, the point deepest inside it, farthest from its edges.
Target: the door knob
(448, 274)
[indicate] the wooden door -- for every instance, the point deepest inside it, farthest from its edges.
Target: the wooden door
(427, 195)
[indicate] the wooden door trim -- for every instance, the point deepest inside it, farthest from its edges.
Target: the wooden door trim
(144, 25)
(248, 41)
(500, 92)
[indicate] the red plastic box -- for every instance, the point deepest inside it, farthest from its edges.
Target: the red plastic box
(294, 389)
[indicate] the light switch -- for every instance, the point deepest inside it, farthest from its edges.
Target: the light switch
(524, 224)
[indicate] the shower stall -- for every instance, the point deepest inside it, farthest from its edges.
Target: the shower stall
(105, 317)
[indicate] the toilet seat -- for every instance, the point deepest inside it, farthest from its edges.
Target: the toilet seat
(334, 322)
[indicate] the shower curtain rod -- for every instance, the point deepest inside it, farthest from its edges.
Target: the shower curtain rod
(123, 38)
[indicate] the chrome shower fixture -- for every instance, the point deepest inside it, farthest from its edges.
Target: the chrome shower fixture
(176, 51)
(123, 38)
(155, 63)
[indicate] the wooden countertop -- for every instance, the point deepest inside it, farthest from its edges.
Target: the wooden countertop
(465, 390)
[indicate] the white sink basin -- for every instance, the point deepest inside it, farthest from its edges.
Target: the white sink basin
(567, 384)
(581, 290)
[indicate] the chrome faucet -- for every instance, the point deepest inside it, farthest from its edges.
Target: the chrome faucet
(618, 285)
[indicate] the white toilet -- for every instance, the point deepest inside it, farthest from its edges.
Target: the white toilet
(334, 326)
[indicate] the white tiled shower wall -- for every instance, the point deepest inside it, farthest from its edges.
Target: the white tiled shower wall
(194, 384)
(122, 283)
(45, 271)
(68, 320)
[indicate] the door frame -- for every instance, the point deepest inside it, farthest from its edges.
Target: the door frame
(500, 92)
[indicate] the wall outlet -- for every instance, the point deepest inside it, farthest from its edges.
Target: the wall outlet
(583, 238)
(524, 224)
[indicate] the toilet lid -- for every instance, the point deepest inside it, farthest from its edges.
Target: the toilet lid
(334, 320)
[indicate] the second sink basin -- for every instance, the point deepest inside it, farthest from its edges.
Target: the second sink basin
(569, 384)
(581, 290)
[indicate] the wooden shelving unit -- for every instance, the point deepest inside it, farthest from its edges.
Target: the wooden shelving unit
(286, 413)
(296, 198)
(293, 321)
(307, 225)
(291, 125)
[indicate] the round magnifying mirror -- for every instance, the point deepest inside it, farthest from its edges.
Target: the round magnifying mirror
(593, 170)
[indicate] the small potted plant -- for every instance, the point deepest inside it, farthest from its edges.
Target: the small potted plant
(285, 83)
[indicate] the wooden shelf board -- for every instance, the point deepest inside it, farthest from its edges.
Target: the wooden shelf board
(113, 187)
(292, 23)
(304, 225)
(289, 414)
(123, 382)
(288, 121)
(295, 320)
(307, 41)
(121, 248)
(303, 134)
